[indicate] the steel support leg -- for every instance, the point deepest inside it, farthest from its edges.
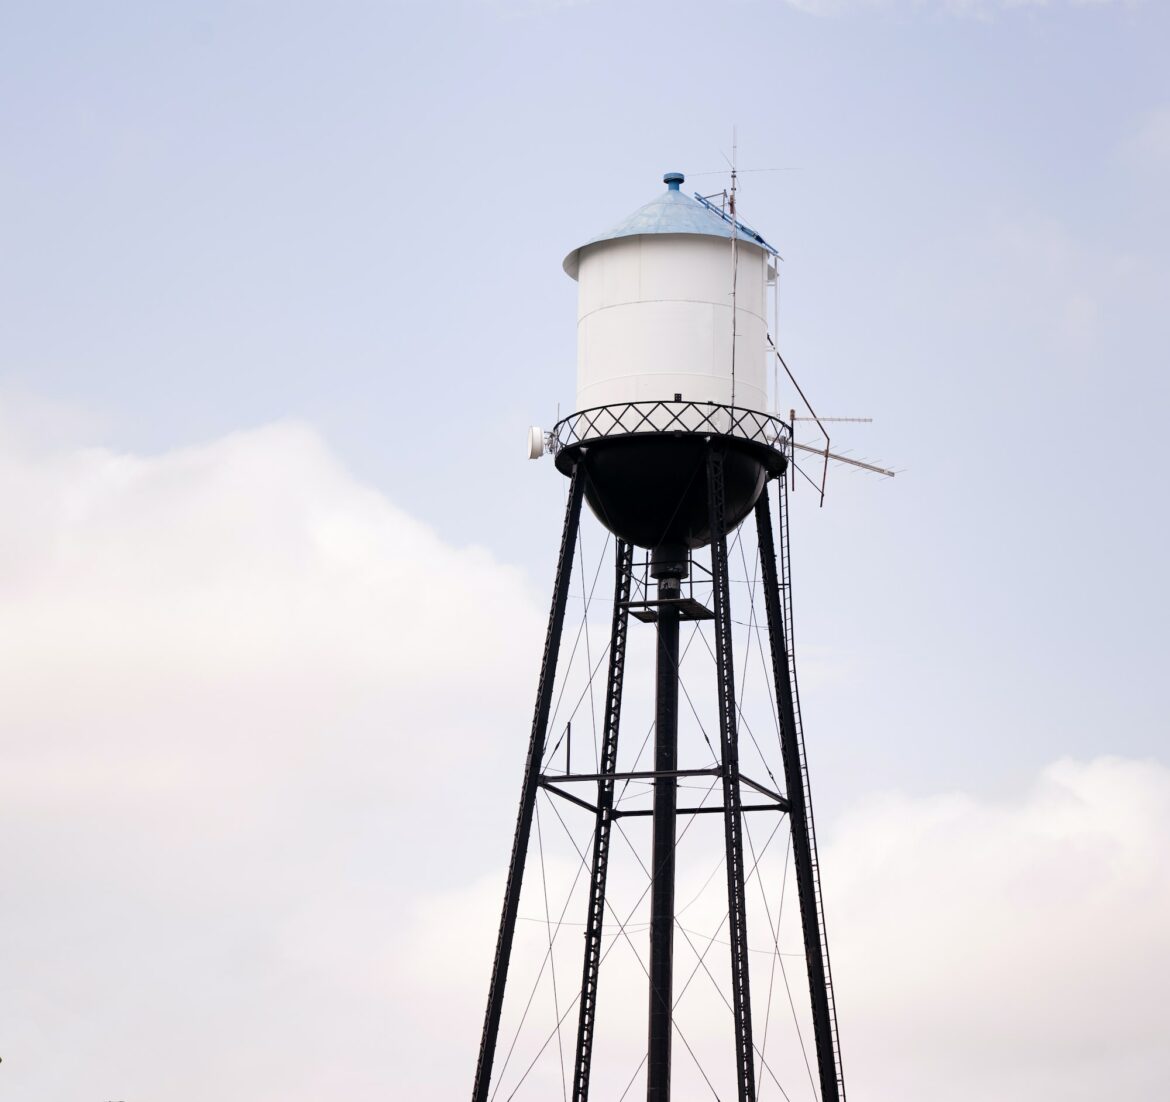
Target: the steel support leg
(732, 815)
(803, 843)
(548, 669)
(601, 831)
(665, 816)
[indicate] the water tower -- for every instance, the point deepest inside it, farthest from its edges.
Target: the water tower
(673, 444)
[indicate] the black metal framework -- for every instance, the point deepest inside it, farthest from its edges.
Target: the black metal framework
(595, 911)
(548, 671)
(665, 612)
(741, 1003)
(777, 605)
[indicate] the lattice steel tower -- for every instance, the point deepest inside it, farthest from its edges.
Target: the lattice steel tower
(673, 446)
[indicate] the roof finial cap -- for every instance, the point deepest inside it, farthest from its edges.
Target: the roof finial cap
(673, 179)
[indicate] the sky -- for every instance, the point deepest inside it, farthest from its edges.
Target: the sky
(280, 294)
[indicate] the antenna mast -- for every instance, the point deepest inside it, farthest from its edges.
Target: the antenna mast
(734, 261)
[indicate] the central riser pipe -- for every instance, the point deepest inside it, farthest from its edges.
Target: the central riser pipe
(665, 815)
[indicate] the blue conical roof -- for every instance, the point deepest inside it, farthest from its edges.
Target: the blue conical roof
(671, 212)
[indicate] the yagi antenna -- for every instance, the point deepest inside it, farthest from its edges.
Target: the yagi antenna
(842, 458)
(824, 452)
(853, 420)
(742, 171)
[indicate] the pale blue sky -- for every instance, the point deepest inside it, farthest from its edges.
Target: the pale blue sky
(219, 215)
(352, 216)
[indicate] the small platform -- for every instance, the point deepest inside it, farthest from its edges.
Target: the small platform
(688, 609)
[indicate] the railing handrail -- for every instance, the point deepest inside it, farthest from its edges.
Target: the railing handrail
(742, 423)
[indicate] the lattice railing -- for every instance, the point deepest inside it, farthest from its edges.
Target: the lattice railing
(644, 418)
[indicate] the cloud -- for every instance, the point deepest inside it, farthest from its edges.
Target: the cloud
(234, 681)
(1008, 950)
(254, 726)
(253, 560)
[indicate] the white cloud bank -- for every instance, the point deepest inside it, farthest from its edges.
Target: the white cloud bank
(229, 683)
(1009, 951)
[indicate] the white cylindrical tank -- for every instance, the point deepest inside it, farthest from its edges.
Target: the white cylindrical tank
(655, 308)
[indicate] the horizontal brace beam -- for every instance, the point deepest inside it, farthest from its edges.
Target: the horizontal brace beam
(567, 796)
(764, 791)
(641, 775)
(702, 810)
(688, 609)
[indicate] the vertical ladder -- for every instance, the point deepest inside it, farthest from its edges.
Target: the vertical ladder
(786, 605)
(595, 914)
(732, 810)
